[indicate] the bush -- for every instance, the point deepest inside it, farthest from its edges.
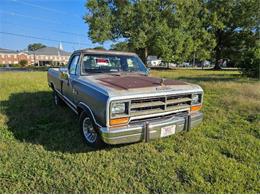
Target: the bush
(10, 65)
(15, 65)
(23, 63)
(250, 64)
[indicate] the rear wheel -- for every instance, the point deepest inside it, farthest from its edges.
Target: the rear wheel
(90, 131)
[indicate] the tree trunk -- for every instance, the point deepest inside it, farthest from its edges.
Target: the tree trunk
(218, 35)
(193, 62)
(217, 59)
(145, 55)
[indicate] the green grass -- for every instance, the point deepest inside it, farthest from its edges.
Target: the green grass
(41, 149)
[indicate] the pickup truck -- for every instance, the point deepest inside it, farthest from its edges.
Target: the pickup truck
(118, 102)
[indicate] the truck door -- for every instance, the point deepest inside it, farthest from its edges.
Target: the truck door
(67, 87)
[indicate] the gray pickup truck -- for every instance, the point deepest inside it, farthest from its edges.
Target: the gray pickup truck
(117, 102)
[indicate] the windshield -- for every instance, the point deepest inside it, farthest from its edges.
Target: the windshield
(92, 63)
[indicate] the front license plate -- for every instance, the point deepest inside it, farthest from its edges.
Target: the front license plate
(169, 130)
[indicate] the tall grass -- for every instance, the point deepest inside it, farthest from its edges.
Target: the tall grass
(41, 150)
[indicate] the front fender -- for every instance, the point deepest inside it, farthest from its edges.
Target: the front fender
(83, 107)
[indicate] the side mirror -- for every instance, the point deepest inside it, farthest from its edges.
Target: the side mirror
(64, 73)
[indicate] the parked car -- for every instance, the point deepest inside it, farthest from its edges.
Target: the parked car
(168, 65)
(118, 102)
(185, 64)
(153, 61)
(172, 65)
(204, 63)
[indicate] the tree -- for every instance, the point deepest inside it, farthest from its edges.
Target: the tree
(122, 46)
(35, 46)
(23, 63)
(250, 63)
(233, 24)
(99, 48)
(168, 29)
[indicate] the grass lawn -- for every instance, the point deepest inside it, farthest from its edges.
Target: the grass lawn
(41, 149)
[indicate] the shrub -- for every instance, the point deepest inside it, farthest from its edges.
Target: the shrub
(250, 64)
(23, 63)
(15, 65)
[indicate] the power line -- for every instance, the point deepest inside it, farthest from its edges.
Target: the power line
(45, 8)
(35, 18)
(43, 28)
(40, 38)
(26, 16)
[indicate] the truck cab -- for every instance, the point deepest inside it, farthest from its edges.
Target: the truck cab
(118, 102)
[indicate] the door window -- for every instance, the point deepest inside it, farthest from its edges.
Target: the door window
(73, 65)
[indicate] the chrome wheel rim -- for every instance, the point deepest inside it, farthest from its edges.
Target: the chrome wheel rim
(88, 130)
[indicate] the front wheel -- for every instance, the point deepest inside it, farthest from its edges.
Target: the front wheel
(90, 131)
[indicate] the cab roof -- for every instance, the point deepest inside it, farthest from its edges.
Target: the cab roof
(108, 52)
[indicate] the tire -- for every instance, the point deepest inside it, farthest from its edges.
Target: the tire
(57, 100)
(89, 131)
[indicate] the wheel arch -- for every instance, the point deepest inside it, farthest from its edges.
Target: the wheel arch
(83, 107)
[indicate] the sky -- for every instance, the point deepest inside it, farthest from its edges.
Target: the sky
(44, 21)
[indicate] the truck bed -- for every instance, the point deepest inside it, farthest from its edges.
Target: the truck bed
(53, 78)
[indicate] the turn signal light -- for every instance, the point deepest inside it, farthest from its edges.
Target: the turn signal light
(119, 121)
(195, 108)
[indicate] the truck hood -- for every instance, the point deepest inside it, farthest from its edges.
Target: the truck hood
(134, 84)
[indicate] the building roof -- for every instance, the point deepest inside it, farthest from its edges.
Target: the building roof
(42, 51)
(50, 51)
(2, 50)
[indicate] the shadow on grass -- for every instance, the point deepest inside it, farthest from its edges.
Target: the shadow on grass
(33, 118)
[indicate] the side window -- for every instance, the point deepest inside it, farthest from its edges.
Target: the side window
(73, 65)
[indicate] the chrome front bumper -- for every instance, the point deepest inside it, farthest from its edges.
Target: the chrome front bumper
(149, 130)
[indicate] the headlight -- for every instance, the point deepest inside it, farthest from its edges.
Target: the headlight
(119, 108)
(195, 99)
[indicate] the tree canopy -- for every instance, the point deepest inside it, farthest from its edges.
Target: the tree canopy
(122, 46)
(35, 46)
(99, 48)
(177, 30)
(235, 26)
(170, 29)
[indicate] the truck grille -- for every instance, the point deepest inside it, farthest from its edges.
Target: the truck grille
(155, 105)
